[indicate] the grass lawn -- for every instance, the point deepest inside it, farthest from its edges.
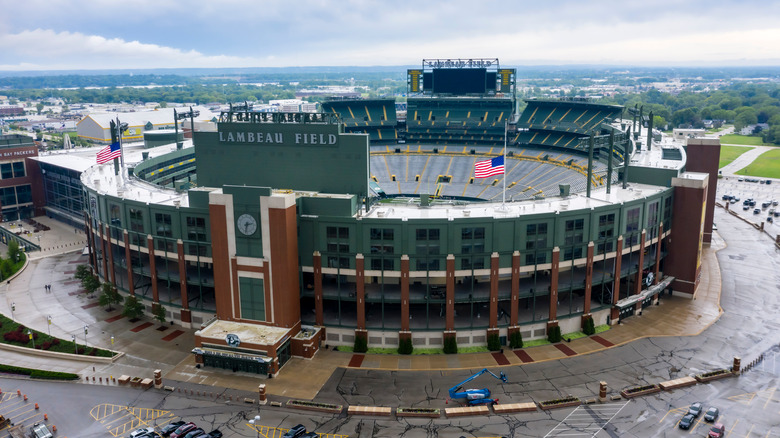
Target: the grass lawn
(767, 165)
(730, 153)
(748, 140)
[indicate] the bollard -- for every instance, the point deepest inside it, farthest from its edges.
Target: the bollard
(53, 428)
(100, 379)
(36, 406)
(25, 397)
(45, 417)
(18, 392)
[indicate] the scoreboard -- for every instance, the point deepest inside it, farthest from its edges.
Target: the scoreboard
(461, 77)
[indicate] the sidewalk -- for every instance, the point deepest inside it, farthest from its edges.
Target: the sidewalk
(147, 349)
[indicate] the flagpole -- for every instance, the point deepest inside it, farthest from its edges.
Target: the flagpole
(503, 196)
(121, 149)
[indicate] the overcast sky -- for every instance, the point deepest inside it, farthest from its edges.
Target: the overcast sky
(115, 34)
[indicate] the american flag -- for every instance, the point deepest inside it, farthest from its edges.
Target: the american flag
(484, 169)
(108, 153)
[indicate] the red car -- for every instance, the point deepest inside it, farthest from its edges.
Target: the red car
(717, 430)
(183, 430)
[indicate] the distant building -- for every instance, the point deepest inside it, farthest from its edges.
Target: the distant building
(96, 127)
(681, 134)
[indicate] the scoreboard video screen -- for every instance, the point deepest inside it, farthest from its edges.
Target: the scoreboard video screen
(460, 77)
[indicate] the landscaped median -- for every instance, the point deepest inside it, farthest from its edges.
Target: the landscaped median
(418, 412)
(636, 391)
(713, 375)
(564, 402)
(37, 374)
(315, 406)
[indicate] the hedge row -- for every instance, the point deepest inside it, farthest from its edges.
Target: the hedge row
(38, 374)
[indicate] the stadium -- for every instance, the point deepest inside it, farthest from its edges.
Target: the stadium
(279, 233)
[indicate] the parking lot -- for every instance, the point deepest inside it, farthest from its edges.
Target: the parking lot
(765, 199)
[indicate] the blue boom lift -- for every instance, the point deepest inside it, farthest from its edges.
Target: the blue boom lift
(476, 396)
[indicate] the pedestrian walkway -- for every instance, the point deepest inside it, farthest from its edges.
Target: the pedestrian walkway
(146, 348)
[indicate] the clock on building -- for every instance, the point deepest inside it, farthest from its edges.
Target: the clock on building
(247, 224)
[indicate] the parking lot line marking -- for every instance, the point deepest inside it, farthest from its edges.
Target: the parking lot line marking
(31, 409)
(673, 410)
(698, 422)
(31, 416)
(769, 399)
(16, 409)
(750, 431)
(732, 428)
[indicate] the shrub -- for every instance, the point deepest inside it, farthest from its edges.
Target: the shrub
(493, 342)
(361, 344)
(450, 345)
(516, 340)
(405, 346)
(554, 334)
(589, 327)
(133, 308)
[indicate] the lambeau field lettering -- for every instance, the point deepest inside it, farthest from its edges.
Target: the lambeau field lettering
(275, 137)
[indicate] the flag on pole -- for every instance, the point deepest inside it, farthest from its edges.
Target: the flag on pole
(108, 153)
(484, 169)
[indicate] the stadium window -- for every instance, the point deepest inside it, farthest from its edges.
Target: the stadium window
(163, 223)
(632, 226)
(536, 236)
(606, 233)
(19, 169)
(6, 170)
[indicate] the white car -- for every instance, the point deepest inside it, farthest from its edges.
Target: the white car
(141, 431)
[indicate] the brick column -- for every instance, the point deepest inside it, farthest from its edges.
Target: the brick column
(450, 322)
(493, 291)
(588, 283)
(513, 315)
(317, 262)
(129, 263)
(640, 269)
(657, 267)
(360, 291)
(105, 253)
(90, 242)
(152, 270)
(552, 318)
(111, 257)
(405, 293)
(615, 313)
(186, 313)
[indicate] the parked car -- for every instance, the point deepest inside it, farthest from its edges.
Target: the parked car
(215, 433)
(183, 429)
(717, 431)
(711, 414)
(195, 433)
(769, 219)
(310, 435)
(170, 427)
(695, 409)
(295, 432)
(746, 208)
(686, 421)
(141, 431)
(756, 211)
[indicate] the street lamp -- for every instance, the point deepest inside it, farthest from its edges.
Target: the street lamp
(30, 334)
(181, 116)
(86, 330)
(75, 345)
(48, 319)
(256, 423)
(13, 308)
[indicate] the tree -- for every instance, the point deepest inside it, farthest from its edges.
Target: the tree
(361, 344)
(516, 339)
(405, 346)
(134, 309)
(160, 312)
(14, 253)
(493, 342)
(109, 296)
(450, 345)
(81, 272)
(39, 107)
(90, 283)
(554, 334)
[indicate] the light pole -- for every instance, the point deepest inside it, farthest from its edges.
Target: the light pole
(120, 128)
(181, 116)
(30, 334)
(13, 308)
(75, 345)
(256, 423)
(48, 319)
(85, 337)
